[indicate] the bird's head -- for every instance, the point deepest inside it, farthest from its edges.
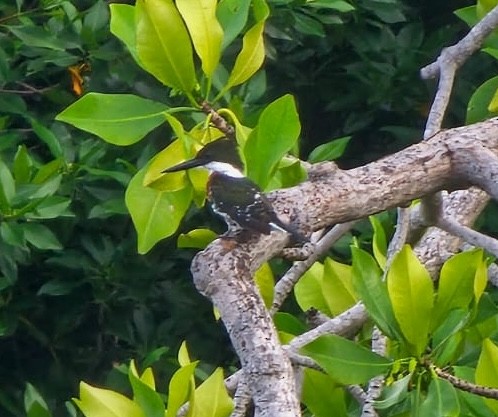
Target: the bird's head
(220, 156)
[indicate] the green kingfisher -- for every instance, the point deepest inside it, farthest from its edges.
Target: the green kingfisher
(232, 195)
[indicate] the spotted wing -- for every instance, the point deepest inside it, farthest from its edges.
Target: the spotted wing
(241, 201)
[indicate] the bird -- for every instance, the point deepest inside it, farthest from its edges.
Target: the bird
(232, 195)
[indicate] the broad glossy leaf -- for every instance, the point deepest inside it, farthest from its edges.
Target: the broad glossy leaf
(40, 236)
(34, 404)
(7, 186)
(38, 37)
(329, 151)
(172, 155)
(95, 402)
(379, 243)
(205, 31)
(441, 400)
(276, 134)
(12, 233)
(265, 282)
(181, 388)
(367, 281)
(123, 27)
(309, 291)
(345, 361)
(232, 15)
(211, 398)
(394, 394)
(321, 395)
(197, 238)
(155, 214)
(339, 5)
(120, 119)
(477, 109)
(146, 397)
(163, 44)
(338, 286)
(22, 165)
(456, 283)
(487, 370)
(252, 55)
(411, 292)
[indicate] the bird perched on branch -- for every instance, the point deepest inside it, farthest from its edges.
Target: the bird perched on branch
(233, 196)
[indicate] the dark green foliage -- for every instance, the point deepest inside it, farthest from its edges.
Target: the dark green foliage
(75, 298)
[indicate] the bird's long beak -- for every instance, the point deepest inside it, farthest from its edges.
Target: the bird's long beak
(192, 163)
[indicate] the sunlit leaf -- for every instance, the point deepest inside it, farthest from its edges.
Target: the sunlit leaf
(211, 398)
(410, 290)
(102, 402)
(155, 214)
(276, 133)
(204, 29)
(120, 119)
(346, 361)
(441, 400)
(487, 370)
(163, 44)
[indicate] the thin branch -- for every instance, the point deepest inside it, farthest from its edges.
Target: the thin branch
(464, 385)
(285, 285)
(350, 319)
(217, 120)
(242, 399)
(468, 235)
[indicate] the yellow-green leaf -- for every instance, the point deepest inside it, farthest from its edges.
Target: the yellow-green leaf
(204, 29)
(252, 55)
(183, 355)
(487, 370)
(98, 402)
(197, 238)
(155, 214)
(338, 286)
(211, 398)
(163, 44)
(411, 292)
(265, 281)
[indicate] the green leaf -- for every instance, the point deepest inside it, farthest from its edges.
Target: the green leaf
(321, 396)
(345, 361)
(252, 54)
(155, 214)
(265, 282)
(309, 290)
(197, 238)
(211, 398)
(40, 236)
(58, 286)
(172, 155)
(477, 109)
(339, 5)
(95, 402)
(487, 370)
(34, 404)
(232, 15)
(123, 27)
(276, 134)
(163, 44)
(144, 395)
(338, 287)
(441, 400)
(38, 37)
(120, 119)
(181, 388)
(394, 393)
(456, 284)
(12, 234)
(379, 242)
(205, 31)
(22, 165)
(7, 186)
(329, 151)
(411, 291)
(367, 281)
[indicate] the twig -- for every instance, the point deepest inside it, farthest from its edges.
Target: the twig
(285, 285)
(217, 120)
(464, 385)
